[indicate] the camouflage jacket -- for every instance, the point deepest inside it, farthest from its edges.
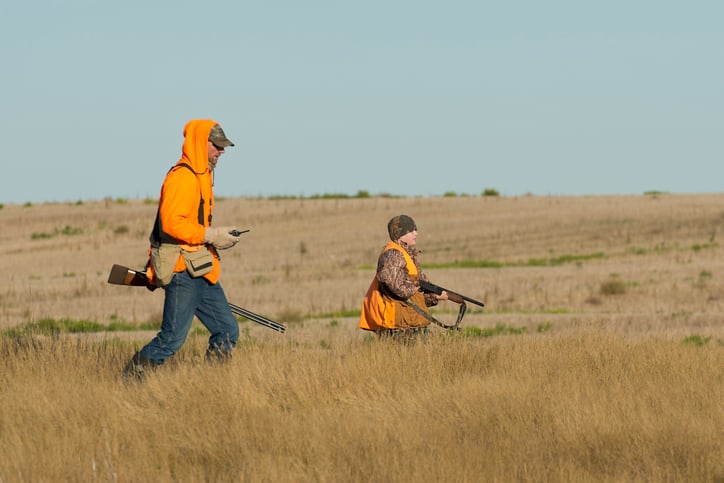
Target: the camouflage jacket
(392, 274)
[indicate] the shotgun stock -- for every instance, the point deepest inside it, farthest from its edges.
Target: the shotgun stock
(121, 275)
(454, 296)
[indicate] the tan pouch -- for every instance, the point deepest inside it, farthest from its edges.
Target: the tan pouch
(163, 259)
(198, 262)
(407, 317)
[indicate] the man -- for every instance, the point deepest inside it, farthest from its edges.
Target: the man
(394, 302)
(183, 255)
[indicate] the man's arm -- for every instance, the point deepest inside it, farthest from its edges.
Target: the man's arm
(179, 207)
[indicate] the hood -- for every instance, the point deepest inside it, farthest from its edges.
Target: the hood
(195, 151)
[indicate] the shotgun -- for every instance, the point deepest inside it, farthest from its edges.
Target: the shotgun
(121, 275)
(454, 296)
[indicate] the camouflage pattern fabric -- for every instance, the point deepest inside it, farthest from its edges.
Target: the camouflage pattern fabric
(392, 272)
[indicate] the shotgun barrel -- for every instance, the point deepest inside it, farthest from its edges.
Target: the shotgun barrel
(454, 296)
(121, 275)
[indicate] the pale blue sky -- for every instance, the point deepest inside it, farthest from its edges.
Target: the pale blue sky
(401, 97)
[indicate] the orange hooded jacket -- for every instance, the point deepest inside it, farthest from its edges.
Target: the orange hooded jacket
(179, 210)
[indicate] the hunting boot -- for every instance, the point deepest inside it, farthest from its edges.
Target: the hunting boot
(138, 367)
(214, 356)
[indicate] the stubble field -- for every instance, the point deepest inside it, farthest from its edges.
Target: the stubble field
(599, 354)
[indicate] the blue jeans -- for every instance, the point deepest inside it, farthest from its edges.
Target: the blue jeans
(186, 297)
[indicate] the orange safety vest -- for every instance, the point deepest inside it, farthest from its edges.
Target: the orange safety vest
(380, 311)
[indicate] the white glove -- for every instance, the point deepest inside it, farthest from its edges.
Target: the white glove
(221, 237)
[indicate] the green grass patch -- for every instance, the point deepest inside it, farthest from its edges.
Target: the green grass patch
(67, 231)
(563, 259)
(699, 247)
(697, 340)
(49, 326)
(334, 315)
(466, 264)
(556, 311)
(532, 262)
(54, 327)
(499, 329)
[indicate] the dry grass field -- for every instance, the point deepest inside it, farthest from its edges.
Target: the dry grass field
(598, 357)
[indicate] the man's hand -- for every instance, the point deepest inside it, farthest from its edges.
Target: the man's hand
(221, 237)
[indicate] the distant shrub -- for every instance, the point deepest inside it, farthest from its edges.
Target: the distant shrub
(544, 327)
(121, 230)
(450, 194)
(490, 192)
(291, 315)
(260, 280)
(593, 300)
(613, 287)
(363, 194)
(329, 196)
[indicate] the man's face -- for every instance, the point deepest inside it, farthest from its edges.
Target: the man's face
(214, 153)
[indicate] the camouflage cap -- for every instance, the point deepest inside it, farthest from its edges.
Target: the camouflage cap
(400, 226)
(218, 137)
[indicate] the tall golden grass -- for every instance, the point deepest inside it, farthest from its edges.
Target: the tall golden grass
(581, 407)
(615, 373)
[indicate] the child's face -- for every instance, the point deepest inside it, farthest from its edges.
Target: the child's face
(410, 238)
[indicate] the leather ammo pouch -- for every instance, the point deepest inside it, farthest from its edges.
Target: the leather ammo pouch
(163, 259)
(198, 262)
